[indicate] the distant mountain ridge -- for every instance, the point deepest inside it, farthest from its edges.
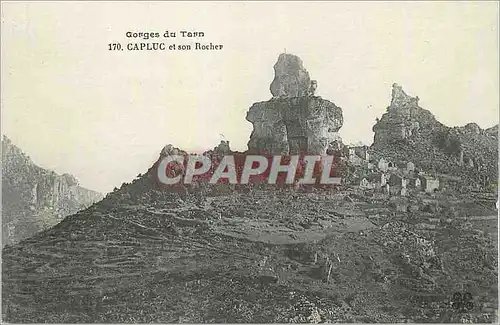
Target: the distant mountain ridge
(34, 198)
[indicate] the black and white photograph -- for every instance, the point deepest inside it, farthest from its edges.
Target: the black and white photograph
(249, 162)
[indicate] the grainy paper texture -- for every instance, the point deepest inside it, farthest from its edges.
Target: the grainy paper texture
(336, 162)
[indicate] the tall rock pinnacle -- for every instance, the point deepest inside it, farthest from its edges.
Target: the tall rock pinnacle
(400, 99)
(290, 77)
(294, 120)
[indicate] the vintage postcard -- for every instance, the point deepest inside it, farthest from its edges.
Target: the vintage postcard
(249, 162)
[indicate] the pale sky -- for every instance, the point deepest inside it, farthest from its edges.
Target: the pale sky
(103, 116)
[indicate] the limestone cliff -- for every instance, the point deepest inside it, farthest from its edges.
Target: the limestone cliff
(294, 120)
(34, 198)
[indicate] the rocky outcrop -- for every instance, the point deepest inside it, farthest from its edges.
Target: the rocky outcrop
(223, 148)
(492, 132)
(404, 119)
(34, 198)
(294, 121)
(411, 133)
(290, 77)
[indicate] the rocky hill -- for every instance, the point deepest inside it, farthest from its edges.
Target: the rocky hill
(409, 132)
(33, 198)
(228, 254)
(261, 256)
